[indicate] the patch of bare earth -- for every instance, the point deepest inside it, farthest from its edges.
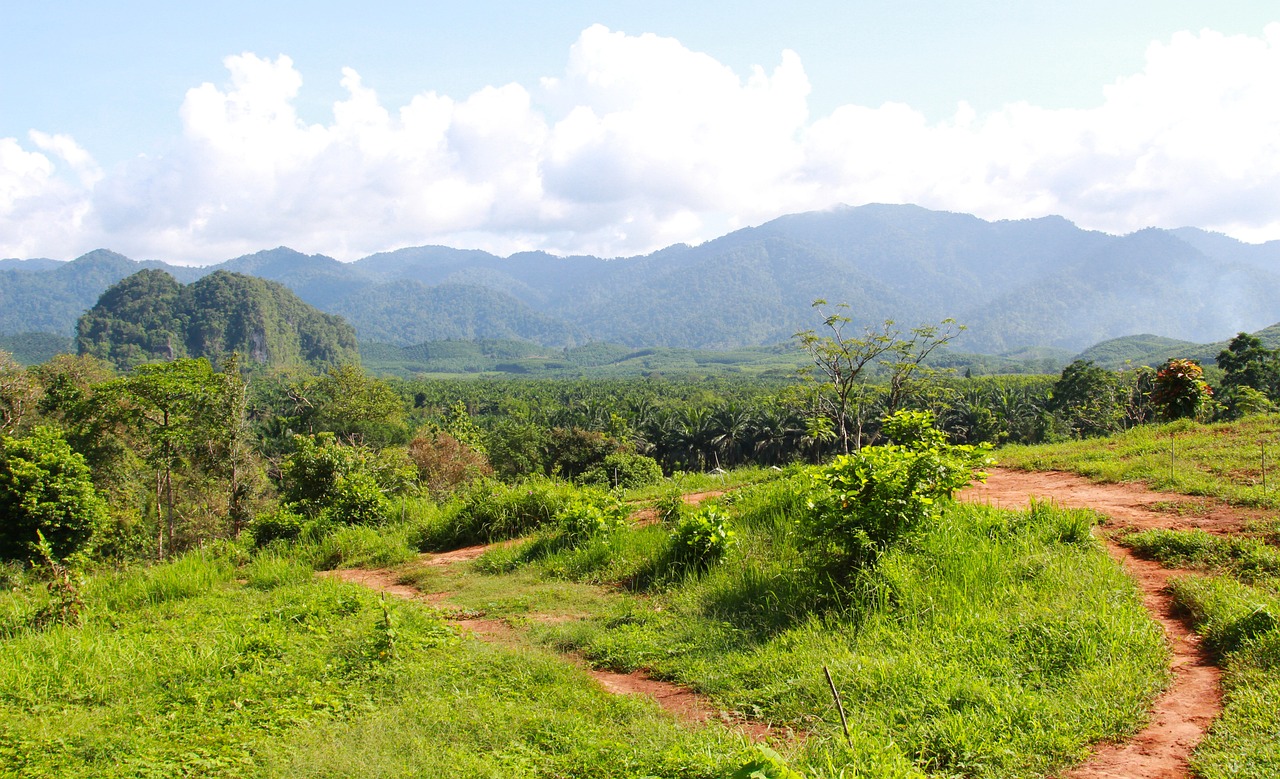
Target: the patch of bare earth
(694, 498)
(649, 516)
(681, 702)
(685, 704)
(1180, 717)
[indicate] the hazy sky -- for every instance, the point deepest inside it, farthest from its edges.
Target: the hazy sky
(197, 132)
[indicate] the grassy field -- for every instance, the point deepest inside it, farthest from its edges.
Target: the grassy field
(1223, 460)
(1234, 599)
(996, 644)
(203, 668)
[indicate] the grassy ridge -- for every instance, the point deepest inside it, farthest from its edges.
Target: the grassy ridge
(1222, 460)
(1235, 603)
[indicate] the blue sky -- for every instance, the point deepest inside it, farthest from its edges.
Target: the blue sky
(195, 132)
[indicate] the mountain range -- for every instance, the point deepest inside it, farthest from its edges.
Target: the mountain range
(1015, 284)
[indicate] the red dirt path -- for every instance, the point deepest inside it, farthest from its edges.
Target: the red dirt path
(1179, 717)
(683, 703)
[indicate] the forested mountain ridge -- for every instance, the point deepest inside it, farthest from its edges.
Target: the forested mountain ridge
(150, 316)
(1016, 284)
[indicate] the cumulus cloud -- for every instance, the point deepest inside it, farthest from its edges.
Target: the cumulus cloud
(640, 143)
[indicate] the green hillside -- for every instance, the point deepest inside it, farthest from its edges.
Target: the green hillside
(1151, 350)
(150, 316)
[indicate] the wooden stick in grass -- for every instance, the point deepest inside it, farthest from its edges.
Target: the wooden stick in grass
(844, 722)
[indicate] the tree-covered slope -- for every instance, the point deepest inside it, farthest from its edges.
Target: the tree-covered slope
(410, 312)
(150, 316)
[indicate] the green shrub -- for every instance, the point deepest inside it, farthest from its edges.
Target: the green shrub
(625, 470)
(864, 502)
(349, 482)
(702, 536)
(590, 515)
(45, 489)
(279, 525)
(356, 499)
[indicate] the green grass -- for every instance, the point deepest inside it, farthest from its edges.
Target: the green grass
(1219, 460)
(180, 670)
(1239, 622)
(1246, 558)
(997, 645)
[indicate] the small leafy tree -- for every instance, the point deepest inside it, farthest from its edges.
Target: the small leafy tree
(354, 406)
(1251, 375)
(18, 394)
(45, 491)
(1087, 400)
(1180, 390)
(1247, 363)
(841, 363)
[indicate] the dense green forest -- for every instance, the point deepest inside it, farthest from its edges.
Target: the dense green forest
(150, 316)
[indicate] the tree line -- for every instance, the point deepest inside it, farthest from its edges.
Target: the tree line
(173, 454)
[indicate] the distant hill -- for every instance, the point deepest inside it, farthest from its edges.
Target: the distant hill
(1151, 350)
(150, 316)
(409, 312)
(50, 298)
(1016, 284)
(1135, 350)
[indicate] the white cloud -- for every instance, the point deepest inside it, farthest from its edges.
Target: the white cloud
(642, 142)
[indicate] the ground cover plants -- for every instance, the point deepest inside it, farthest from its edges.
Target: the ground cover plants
(200, 667)
(968, 642)
(1233, 598)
